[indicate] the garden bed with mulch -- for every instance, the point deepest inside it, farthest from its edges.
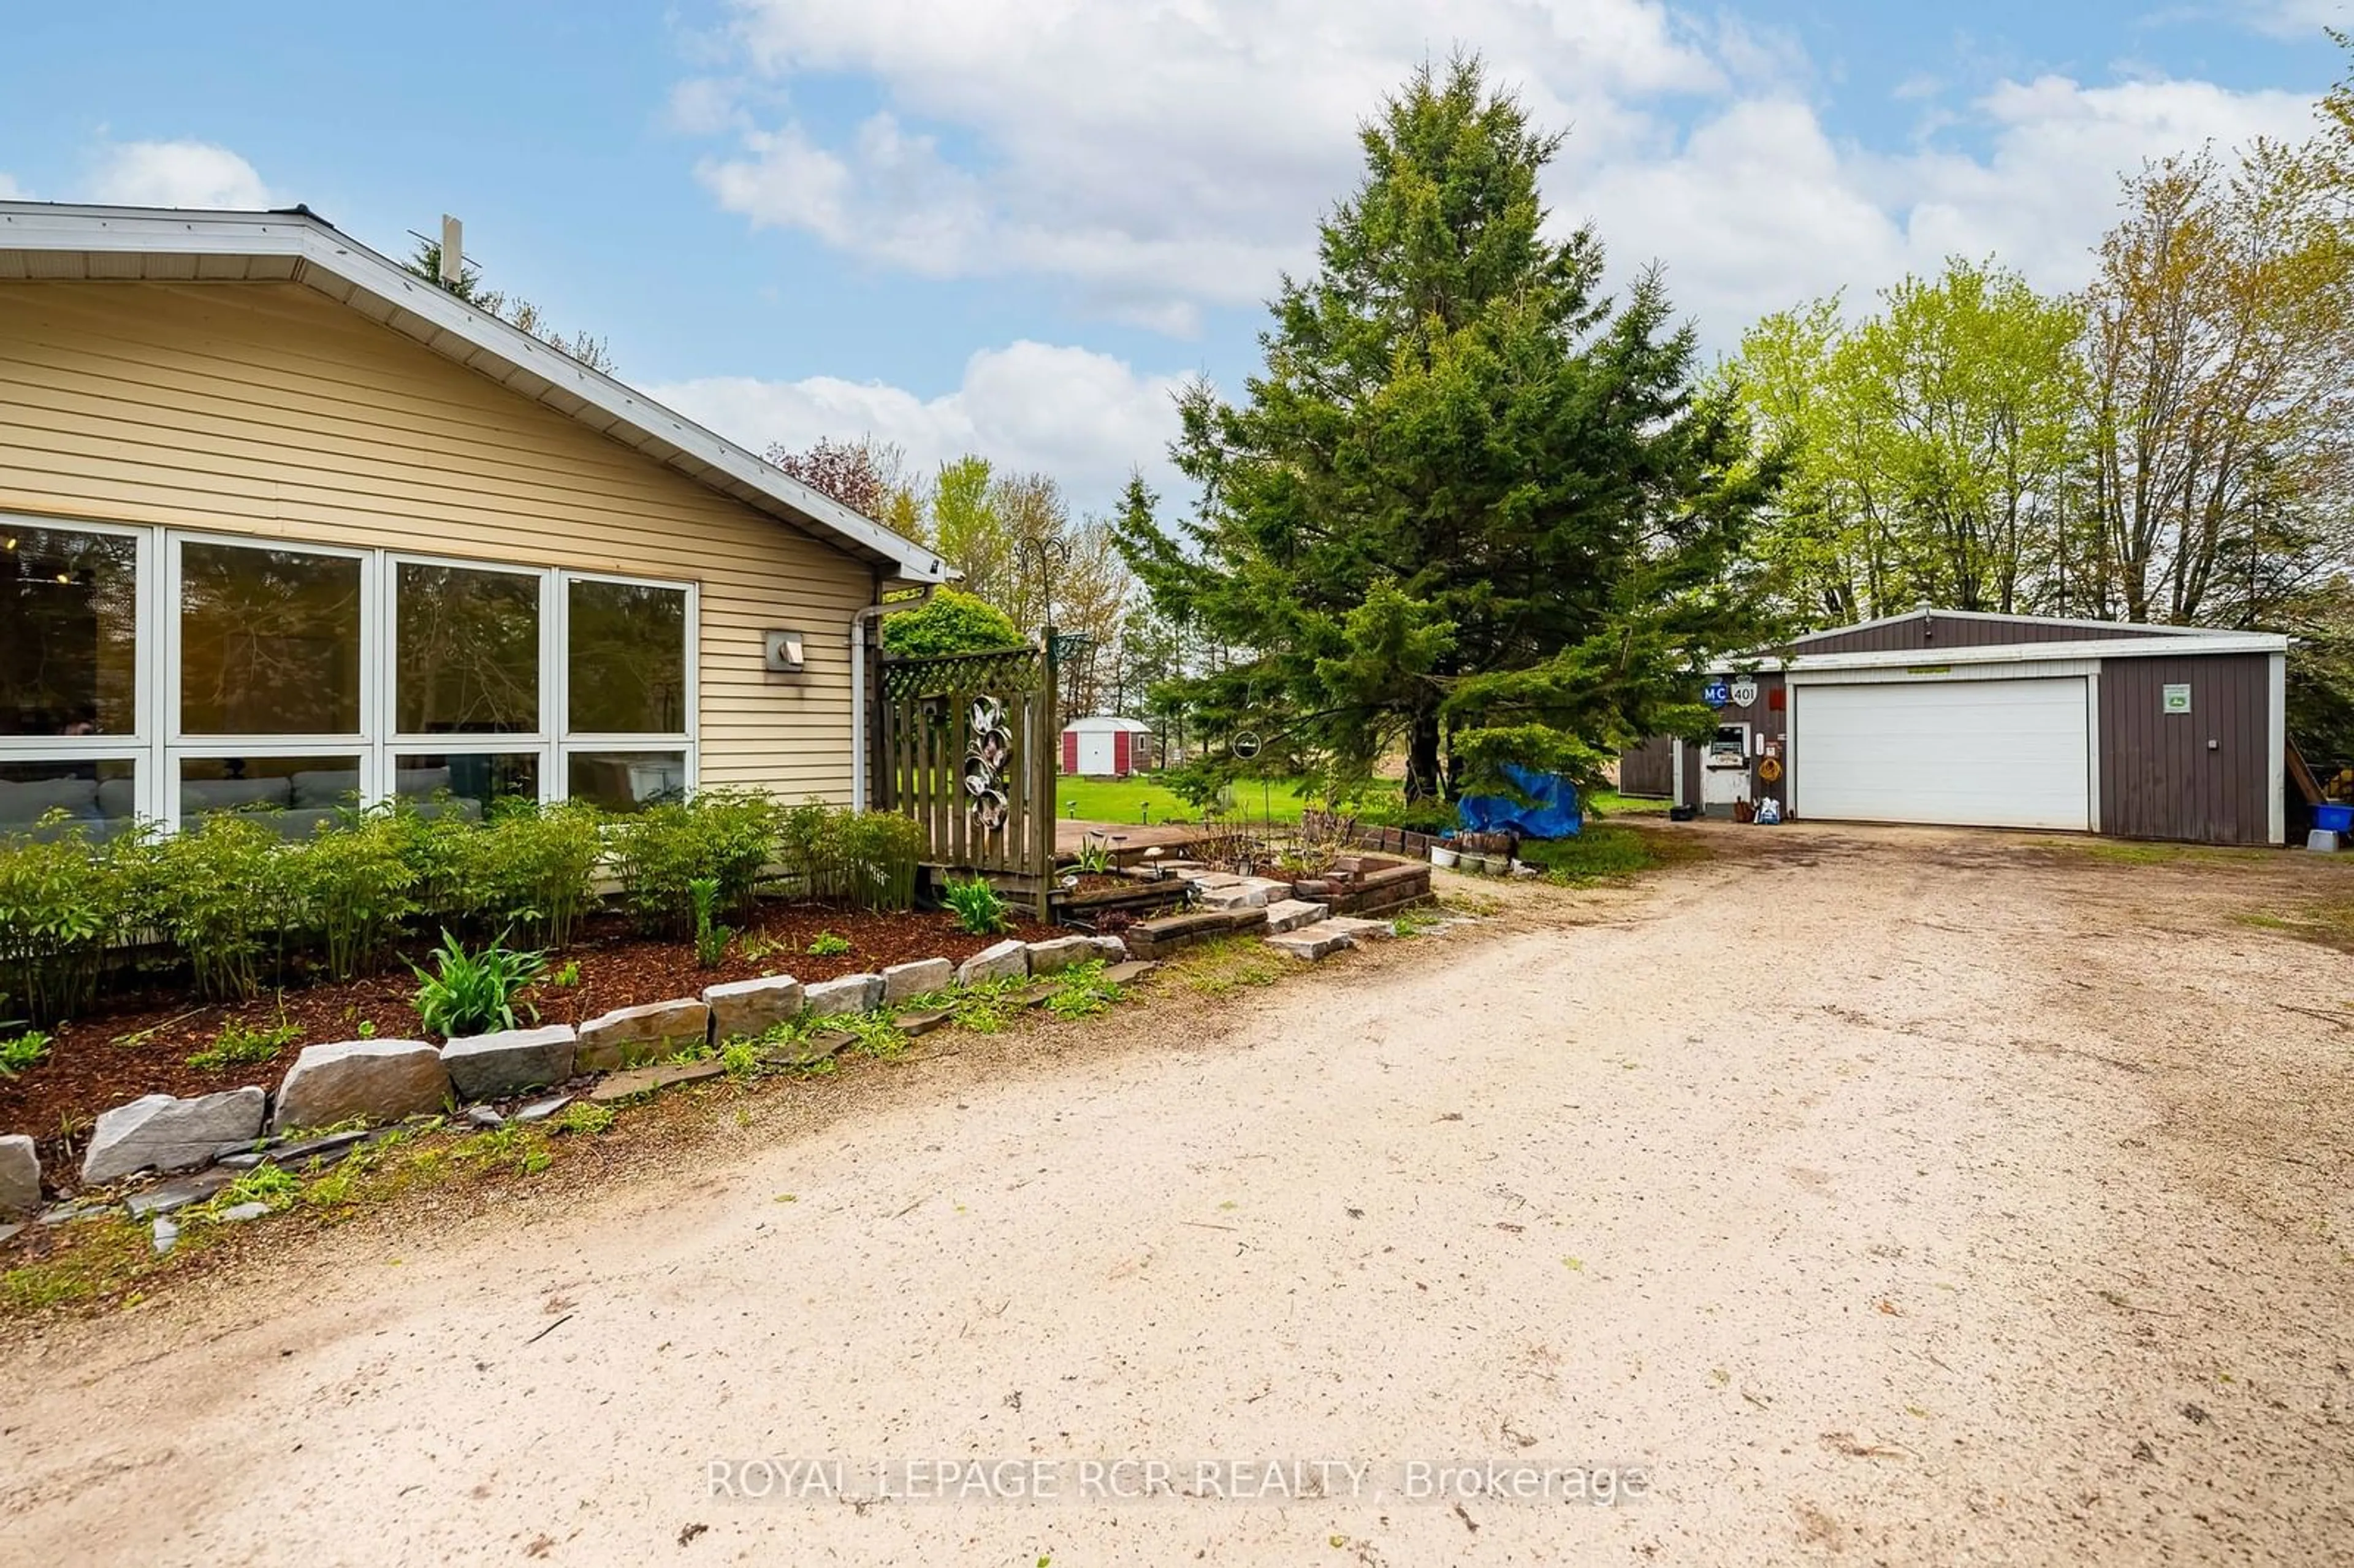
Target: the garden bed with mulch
(139, 1042)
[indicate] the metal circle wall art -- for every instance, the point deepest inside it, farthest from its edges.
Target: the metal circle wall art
(984, 765)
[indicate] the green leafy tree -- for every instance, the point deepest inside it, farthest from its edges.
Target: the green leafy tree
(1470, 509)
(1933, 451)
(948, 622)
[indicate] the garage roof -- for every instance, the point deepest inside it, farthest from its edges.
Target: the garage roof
(2189, 641)
(2106, 628)
(45, 240)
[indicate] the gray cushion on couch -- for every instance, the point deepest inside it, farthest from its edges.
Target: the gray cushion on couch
(420, 782)
(326, 788)
(118, 798)
(198, 796)
(23, 804)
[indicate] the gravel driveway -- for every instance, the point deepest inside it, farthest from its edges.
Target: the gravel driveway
(1871, 1197)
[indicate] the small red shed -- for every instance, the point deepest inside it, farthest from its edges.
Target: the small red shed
(1103, 746)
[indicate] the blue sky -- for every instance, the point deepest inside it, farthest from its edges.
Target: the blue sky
(957, 226)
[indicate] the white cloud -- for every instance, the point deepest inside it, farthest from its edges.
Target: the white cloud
(1152, 155)
(1157, 160)
(176, 173)
(11, 191)
(2298, 18)
(1757, 208)
(1085, 418)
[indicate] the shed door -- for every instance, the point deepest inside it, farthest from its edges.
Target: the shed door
(1995, 754)
(1095, 754)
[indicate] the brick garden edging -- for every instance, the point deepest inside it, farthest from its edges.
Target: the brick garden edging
(383, 1082)
(1227, 905)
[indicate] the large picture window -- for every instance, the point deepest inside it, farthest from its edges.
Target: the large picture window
(270, 640)
(74, 687)
(629, 692)
(628, 658)
(146, 672)
(68, 632)
(466, 651)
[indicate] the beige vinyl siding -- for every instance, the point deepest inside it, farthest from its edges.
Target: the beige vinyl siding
(265, 410)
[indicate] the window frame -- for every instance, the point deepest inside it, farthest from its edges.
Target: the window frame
(138, 747)
(37, 747)
(158, 744)
(178, 746)
(569, 740)
(539, 742)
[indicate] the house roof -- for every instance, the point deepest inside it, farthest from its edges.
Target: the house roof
(46, 240)
(1102, 724)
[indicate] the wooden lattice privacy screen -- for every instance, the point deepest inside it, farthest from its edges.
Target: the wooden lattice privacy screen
(965, 746)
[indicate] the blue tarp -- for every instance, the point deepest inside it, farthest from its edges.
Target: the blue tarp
(1555, 813)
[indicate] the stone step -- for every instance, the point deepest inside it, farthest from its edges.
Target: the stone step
(1291, 914)
(1312, 942)
(645, 1080)
(1130, 973)
(1352, 926)
(1239, 892)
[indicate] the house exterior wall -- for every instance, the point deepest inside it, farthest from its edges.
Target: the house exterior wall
(1934, 630)
(2204, 777)
(1646, 769)
(267, 410)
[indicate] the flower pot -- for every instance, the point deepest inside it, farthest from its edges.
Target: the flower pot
(1442, 856)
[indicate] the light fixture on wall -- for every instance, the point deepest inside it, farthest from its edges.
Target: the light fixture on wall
(783, 652)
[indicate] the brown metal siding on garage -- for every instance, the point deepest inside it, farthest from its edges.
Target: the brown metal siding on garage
(1934, 630)
(1647, 769)
(2160, 778)
(1762, 719)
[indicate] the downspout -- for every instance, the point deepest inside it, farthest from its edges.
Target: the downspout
(859, 745)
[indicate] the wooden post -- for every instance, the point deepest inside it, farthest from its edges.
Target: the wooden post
(1049, 747)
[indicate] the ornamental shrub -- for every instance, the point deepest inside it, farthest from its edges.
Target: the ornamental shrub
(64, 904)
(726, 835)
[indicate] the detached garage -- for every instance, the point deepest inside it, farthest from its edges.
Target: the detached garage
(1971, 720)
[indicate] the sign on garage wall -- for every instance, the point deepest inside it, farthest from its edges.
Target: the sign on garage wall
(2177, 699)
(1716, 693)
(1744, 692)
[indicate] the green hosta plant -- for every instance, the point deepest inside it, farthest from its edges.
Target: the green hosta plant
(828, 945)
(978, 909)
(23, 1053)
(711, 937)
(474, 992)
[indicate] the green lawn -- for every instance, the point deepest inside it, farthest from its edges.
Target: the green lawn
(1128, 800)
(1140, 799)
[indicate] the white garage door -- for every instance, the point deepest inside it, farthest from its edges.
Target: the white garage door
(1997, 754)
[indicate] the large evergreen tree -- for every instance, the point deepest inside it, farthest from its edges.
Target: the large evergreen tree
(1469, 509)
